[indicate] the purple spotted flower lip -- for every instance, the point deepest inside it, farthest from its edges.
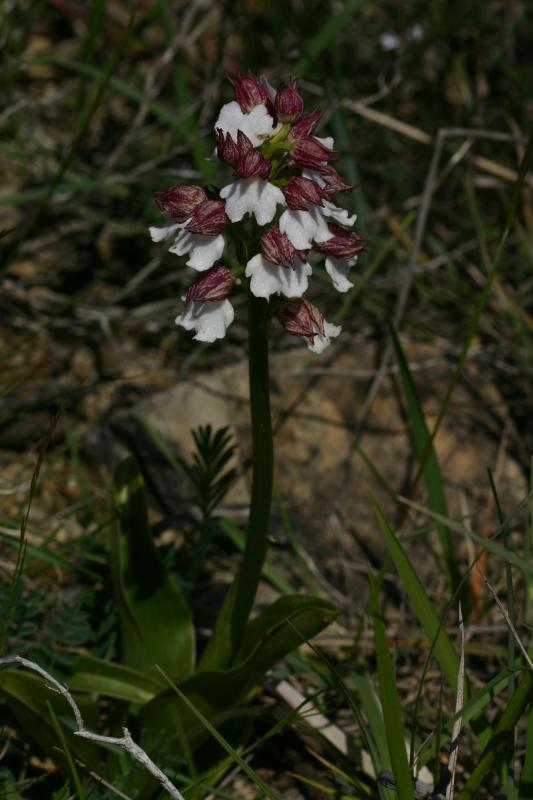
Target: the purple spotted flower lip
(283, 178)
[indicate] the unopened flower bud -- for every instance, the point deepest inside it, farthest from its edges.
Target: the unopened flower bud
(213, 285)
(209, 218)
(309, 152)
(299, 192)
(333, 182)
(289, 105)
(180, 201)
(305, 126)
(277, 248)
(227, 149)
(301, 318)
(343, 244)
(251, 164)
(248, 92)
(250, 160)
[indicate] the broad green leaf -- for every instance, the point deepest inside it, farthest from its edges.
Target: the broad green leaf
(390, 703)
(217, 693)
(501, 737)
(269, 621)
(28, 695)
(95, 675)
(421, 605)
(425, 449)
(156, 624)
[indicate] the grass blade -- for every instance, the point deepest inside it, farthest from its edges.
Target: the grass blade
(525, 790)
(488, 544)
(430, 468)
(421, 605)
(323, 38)
(246, 768)
(390, 702)
(511, 648)
(500, 738)
(68, 755)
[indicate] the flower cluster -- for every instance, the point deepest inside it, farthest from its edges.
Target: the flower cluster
(285, 182)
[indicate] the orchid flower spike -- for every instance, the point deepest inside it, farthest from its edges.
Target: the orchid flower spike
(283, 181)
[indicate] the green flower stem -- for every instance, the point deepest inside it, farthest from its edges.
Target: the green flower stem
(233, 616)
(262, 459)
(277, 142)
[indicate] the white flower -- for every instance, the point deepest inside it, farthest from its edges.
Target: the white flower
(159, 234)
(257, 124)
(321, 341)
(304, 227)
(337, 269)
(209, 320)
(313, 175)
(268, 279)
(204, 250)
(267, 86)
(252, 196)
(337, 214)
(389, 41)
(327, 141)
(302, 318)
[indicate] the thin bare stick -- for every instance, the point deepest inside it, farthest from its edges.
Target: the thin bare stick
(418, 135)
(125, 742)
(508, 622)
(454, 744)
(403, 295)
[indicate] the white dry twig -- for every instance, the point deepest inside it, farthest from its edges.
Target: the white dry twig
(125, 742)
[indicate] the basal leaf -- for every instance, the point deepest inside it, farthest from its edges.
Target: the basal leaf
(218, 693)
(95, 675)
(28, 697)
(275, 617)
(156, 624)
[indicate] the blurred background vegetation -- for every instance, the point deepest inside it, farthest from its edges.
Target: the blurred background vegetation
(106, 102)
